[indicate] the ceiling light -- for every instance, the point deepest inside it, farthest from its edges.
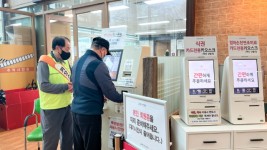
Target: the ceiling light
(51, 21)
(119, 26)
(144, 33)
(96, 11)
(178, 30)
(151, 2)
(121, 7)
(152, 23)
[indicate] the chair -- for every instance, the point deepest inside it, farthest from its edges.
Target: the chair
(36, 134)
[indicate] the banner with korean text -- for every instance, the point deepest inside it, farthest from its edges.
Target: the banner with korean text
(146, 122)
(243, 46)
(17, 66)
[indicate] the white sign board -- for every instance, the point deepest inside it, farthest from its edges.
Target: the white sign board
(146, 122)
(180, 44)
(243, 46)
(116, 37)
(200, 46)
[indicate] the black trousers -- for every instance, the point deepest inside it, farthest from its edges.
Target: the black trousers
(87, 132)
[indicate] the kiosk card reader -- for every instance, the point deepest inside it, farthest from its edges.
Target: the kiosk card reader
(242, 99)
(200, 104)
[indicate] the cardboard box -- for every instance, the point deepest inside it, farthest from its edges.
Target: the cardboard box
(20, 35)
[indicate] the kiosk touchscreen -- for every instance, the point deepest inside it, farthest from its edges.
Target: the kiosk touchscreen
(201, 77)
(245, 74)
(113, 62)
(200, 103)
(242, 90)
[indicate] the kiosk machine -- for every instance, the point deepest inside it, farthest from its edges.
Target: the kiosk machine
(126, 71)
(242, 91)
(200, 103)
(126, 68)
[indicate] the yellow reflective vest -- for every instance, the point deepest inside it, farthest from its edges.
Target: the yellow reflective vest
(55, 101)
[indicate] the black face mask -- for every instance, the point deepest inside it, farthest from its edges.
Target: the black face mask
(64, 55)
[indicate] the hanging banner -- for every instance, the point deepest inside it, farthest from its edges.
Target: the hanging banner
(17, 66)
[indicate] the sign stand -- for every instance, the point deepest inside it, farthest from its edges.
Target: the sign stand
(146, 124)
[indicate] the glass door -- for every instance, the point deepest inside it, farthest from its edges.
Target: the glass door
(58, 24)
(88, 23)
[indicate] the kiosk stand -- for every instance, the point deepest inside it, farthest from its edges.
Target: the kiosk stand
(200, 104)
(126, 71)
(242, 89)
(229, 136)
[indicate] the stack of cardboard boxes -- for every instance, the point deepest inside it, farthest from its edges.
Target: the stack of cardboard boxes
(20, 35)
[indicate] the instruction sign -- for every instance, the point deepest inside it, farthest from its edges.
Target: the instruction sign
(146, 122)
(204, 116)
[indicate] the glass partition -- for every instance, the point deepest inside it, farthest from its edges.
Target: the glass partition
(37, 8)
(59, 24)
(59, 4)
(88, 28)
(158, 24)
(16, 29)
